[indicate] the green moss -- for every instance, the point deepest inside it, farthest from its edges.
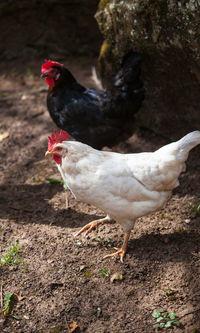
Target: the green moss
(161, 23)
(88, 273)
(106, 49)
(103, 4)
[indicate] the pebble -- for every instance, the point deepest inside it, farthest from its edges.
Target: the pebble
(187, 221)
(99, 312)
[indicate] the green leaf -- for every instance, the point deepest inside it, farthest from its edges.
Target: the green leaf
(26, 317)
(175, 322)
(156, 314)
(104, 272)
(53, 180)
(65, 186)
(16, 317)
(172, 315)
(159, 319)
(11, 257)
(162, 324)
(156, 325)
(7, 300)
(168, 323)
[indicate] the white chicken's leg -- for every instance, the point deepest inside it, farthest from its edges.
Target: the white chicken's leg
(92, 225)
(123, 249)
(67, 199)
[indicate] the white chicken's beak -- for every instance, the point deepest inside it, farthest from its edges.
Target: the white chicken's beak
(48, 153)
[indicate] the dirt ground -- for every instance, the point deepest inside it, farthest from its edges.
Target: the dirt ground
(61, 279)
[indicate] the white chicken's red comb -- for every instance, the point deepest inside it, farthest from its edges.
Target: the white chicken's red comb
(48, 64)
(56, 138)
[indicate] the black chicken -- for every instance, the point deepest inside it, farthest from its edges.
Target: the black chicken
(96, 117)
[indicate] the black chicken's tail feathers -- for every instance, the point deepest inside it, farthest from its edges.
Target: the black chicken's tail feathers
(129, 74)
(128, 92)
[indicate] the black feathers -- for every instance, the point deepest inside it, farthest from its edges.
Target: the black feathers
(98, 117)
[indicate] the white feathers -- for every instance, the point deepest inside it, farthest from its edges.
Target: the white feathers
(125, 186)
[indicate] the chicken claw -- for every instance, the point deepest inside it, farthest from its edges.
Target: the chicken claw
(121, 253)
(92, 225)
(123, 249)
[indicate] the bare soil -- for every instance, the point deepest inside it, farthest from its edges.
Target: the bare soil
(62, 279)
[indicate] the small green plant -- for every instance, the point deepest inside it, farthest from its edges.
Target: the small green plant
(104, 272)
(11, 257)
(54, 180)
(65, 186)
(165, 319)
(7, 302)
(57, 181)
(195, 208)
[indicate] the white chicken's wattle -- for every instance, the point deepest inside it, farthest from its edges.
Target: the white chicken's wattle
(124, 186)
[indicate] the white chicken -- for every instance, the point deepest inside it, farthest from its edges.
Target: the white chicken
(124, 186)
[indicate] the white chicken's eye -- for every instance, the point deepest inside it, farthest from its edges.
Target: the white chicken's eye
(58, 149)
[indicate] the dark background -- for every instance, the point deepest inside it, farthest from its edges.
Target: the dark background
(56, 29)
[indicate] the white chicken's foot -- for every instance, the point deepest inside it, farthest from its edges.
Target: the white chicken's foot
(93, 225)
(123, 249)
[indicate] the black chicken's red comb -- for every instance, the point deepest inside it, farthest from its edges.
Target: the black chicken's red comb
(56, 138)
(48, 64)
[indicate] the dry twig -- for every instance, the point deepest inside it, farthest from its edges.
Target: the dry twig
(188, 313)
(1, 295)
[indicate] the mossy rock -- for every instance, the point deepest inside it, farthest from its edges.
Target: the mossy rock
(166, 33)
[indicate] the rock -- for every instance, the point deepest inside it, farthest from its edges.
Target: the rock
(166, 33)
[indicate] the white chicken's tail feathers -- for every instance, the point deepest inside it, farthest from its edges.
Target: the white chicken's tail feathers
(182, 147)
(189, 141)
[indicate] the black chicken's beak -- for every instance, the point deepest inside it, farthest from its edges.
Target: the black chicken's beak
(43, 75)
